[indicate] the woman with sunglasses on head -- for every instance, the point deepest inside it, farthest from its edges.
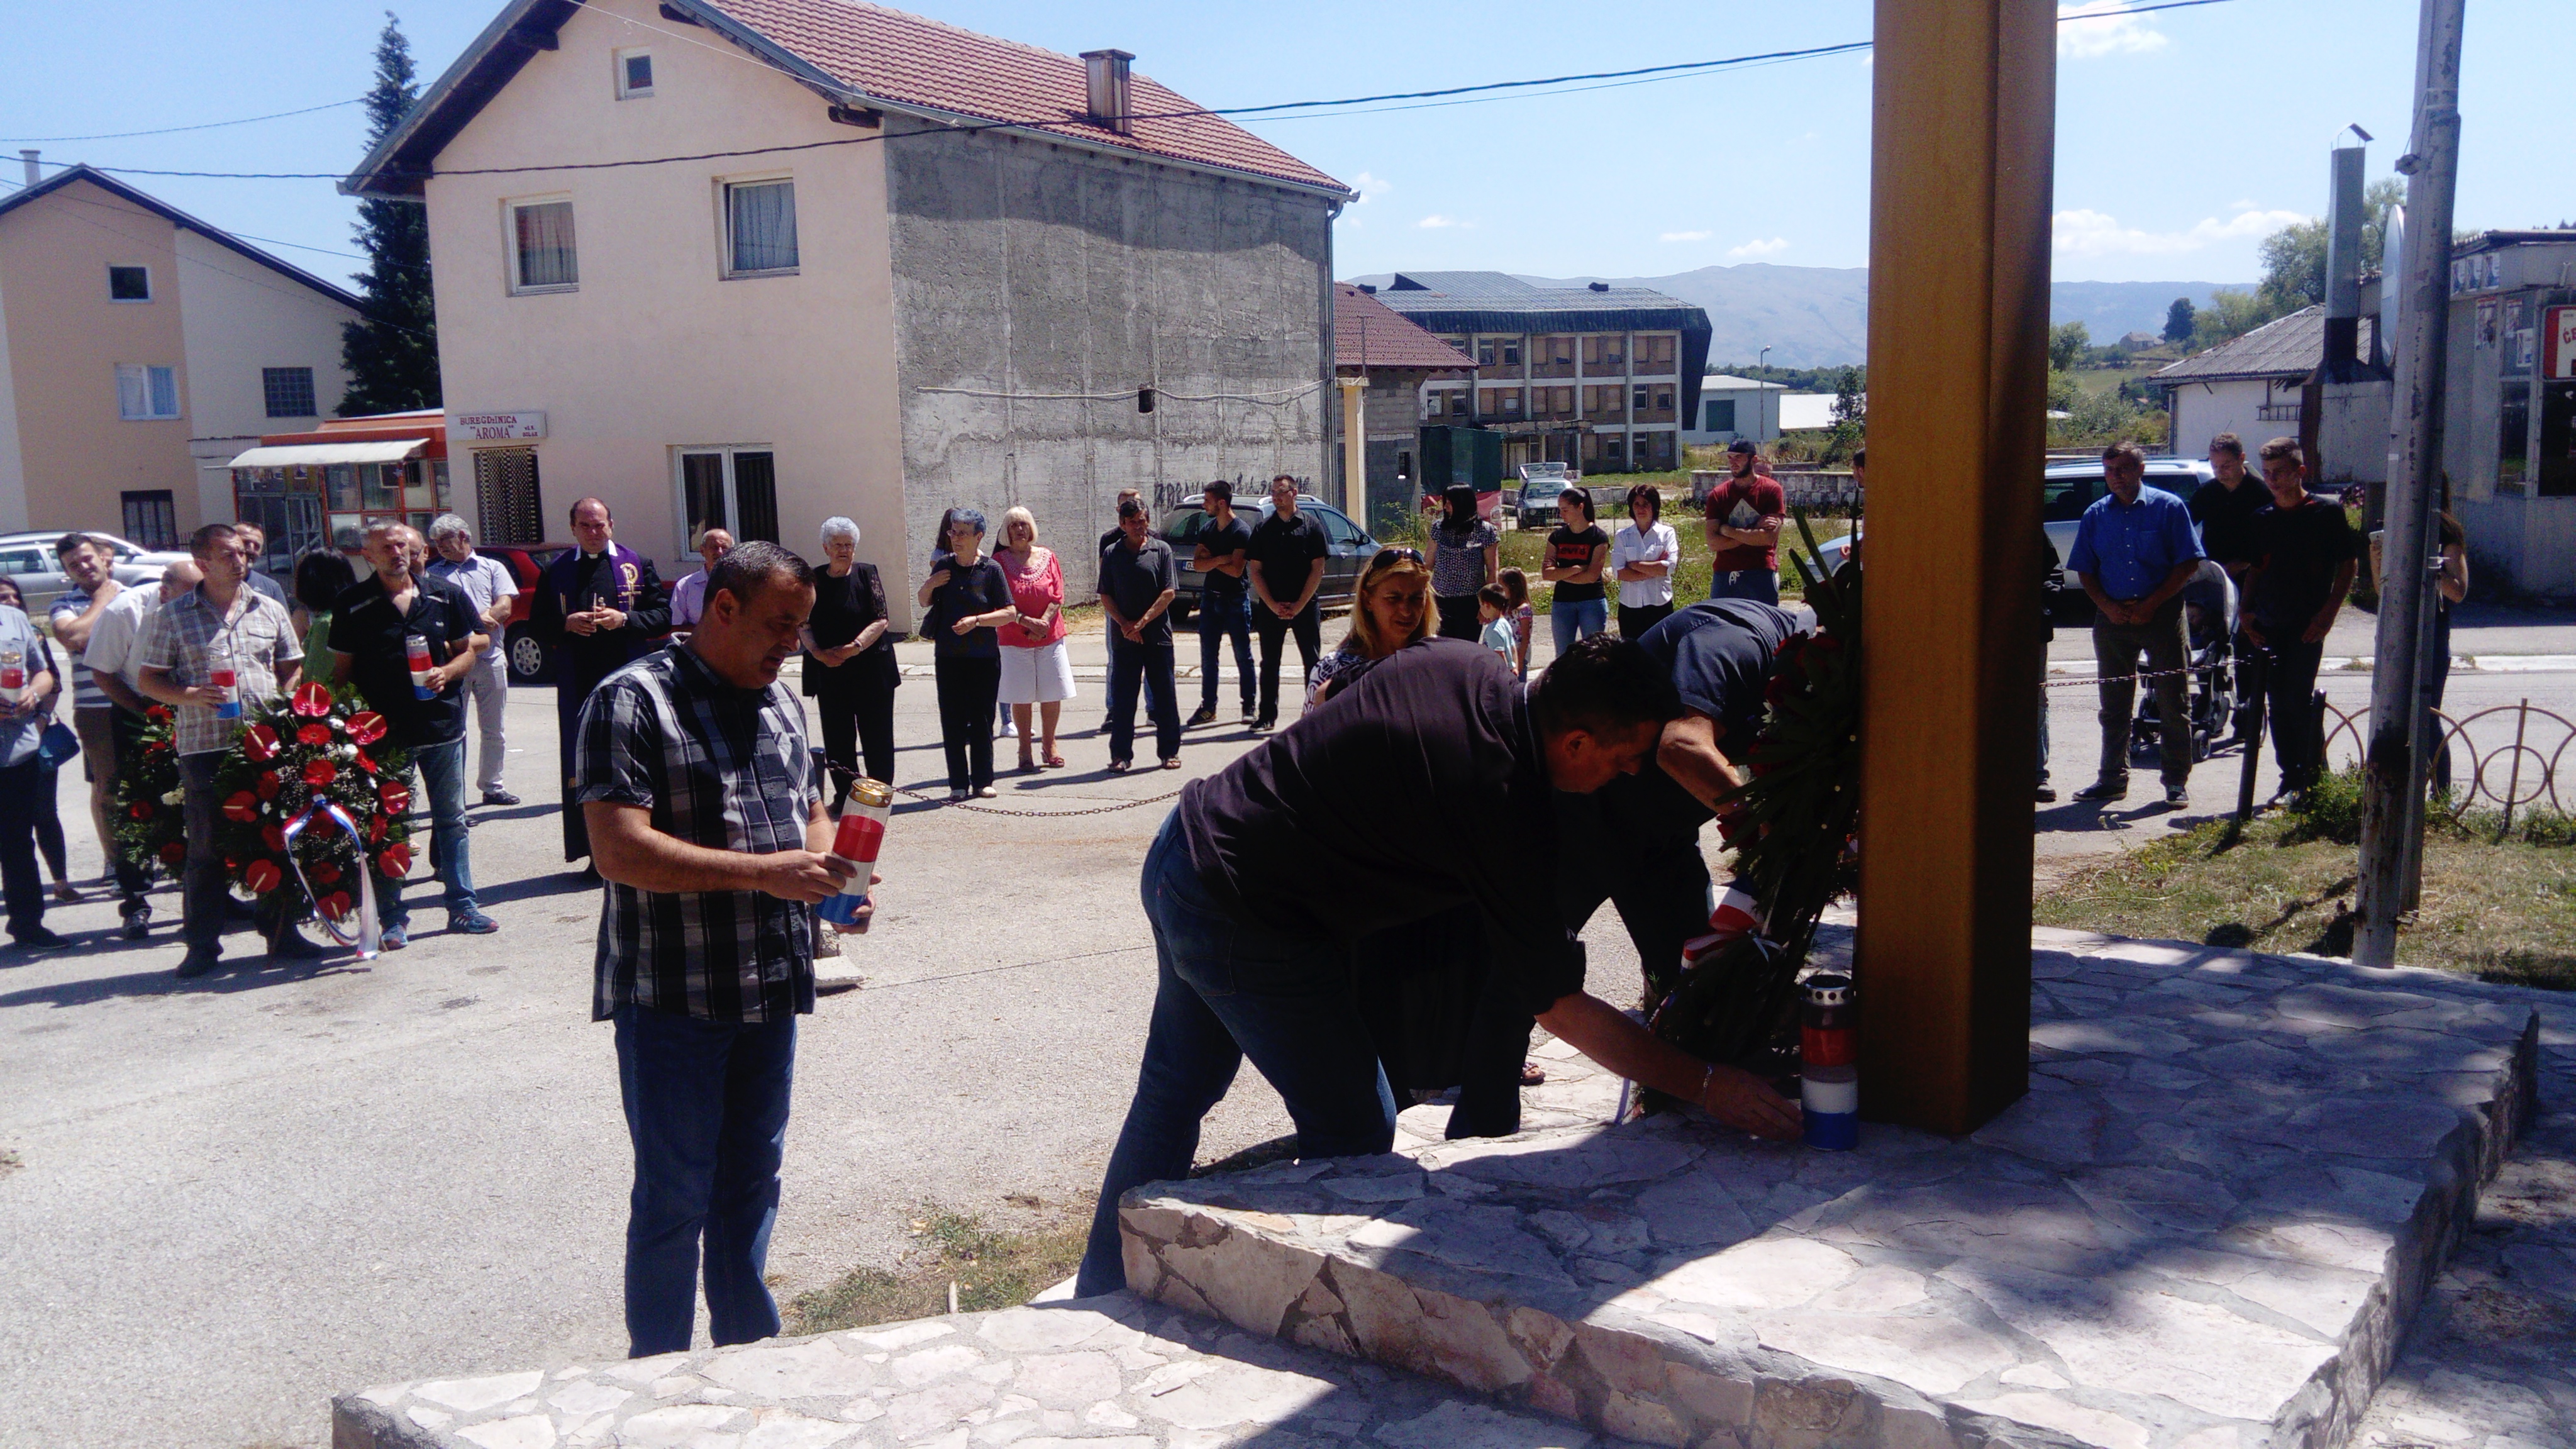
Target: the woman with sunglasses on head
(1465, 551)
(1393, 610)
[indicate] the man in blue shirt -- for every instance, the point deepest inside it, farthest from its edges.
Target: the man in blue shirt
(2134, 550)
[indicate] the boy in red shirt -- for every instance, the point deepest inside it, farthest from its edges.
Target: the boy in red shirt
(1744, 515)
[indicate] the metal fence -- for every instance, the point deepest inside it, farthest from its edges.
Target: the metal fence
(2507, 757)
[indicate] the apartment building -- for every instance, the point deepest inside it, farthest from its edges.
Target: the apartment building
(1601, 378)
(140, 349)
(816, 257)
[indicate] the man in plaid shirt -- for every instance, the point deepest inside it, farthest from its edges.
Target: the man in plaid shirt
(706, 821)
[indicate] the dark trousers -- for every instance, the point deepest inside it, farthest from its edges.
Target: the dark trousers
(2115, 658)
(49, 821)
(1661, 888)
(858, 724)
(2289, 688)
(1633, 623)
(124, 741)
(1308, 626)
(968, 688)
(1220, 619)
(21, 798)
(202, 887)
(1131, 664)
(1458, 617)
(571, 694)
(2249, 682)
(706, 1108)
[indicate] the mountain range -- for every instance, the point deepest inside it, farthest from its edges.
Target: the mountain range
(1819, 316)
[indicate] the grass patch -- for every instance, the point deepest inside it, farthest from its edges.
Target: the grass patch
(993, 1267)
(2498, 910)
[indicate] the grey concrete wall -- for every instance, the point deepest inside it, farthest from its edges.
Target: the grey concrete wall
(1023, 268)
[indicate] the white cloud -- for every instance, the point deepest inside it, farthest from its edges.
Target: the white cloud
(1370, 187)
(1760, 248)
(1686, 236)
(2095, 234)
(2111, 30)
(1435, 222)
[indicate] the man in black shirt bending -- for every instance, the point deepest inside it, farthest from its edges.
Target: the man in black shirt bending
(1268, 872)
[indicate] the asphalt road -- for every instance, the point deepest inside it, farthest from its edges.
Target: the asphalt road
(236, 1196)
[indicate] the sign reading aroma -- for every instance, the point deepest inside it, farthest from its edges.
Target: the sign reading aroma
(495, 427)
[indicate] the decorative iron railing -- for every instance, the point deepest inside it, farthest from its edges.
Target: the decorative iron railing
(2507, 757)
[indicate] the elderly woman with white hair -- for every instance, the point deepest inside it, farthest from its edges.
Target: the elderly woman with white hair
(849, 662)
(1037, 671)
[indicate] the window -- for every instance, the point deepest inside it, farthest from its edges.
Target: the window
(1458, 403)
(289, 391)
(144, 392)
(760, 227)
(543, 256)
(1484, 352)
(1721, 415)
(151, 519)
(1612, 447)
(505, 492)
(634, 74)
(732, 489)
(1663, 399)
(1511, 402)
(1512, 352)
(1644, 400)
(129, 284)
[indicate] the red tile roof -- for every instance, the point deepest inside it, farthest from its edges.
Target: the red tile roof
(1367, 332)
(906, 59)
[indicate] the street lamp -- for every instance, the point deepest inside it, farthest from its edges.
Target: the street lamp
(1762, 363)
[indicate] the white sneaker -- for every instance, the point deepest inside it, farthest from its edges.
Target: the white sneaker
(1008, 731)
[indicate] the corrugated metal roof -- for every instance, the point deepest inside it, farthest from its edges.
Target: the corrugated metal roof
(1367, 332)
(2289, 346)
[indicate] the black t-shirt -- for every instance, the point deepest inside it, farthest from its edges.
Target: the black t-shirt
(365, 626)
(2298, 551)
(1721, 654)
(1567, 549)
(977, 588)
(1135, 578)
(1234, 536)
(1287, 549)
(2226, 517)
(1417, 789)
(842, 607)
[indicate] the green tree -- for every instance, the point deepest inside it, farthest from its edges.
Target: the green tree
(1850, 426)
(2178, 320)
(2067, 344)
(2294, 258)
(2232, 312)
(392, 353)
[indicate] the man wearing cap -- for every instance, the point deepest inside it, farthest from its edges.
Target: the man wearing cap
(1744, 515)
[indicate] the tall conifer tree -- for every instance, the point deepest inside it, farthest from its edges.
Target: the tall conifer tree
(392, 355)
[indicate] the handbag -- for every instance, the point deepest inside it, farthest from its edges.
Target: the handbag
(56, 747)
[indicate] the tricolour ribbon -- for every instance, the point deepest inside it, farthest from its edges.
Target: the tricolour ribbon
(367, 937)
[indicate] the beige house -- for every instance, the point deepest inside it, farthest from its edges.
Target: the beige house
(765, 264)
(140, 349)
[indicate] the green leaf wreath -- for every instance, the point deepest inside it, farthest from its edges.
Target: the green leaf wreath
(151, 826)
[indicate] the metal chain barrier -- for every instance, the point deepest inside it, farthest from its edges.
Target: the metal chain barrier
(934, 798)
(2115, 678)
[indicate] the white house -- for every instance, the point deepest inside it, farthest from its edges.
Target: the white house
(1735, 407)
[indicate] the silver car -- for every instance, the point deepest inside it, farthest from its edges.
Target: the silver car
(29, 561)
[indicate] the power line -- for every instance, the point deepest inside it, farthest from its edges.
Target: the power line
(1417, 100)
(174, 130)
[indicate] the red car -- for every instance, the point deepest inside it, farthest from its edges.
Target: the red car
(531, 658)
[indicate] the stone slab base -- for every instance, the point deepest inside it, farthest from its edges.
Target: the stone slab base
(1105, 1373)
(2206, 1227)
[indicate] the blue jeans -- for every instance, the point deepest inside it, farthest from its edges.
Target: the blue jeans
(706, 1107)
(1227, 989)
(1758, 584)
(1219, 619)
(1151, 663)
(1579, 620)
(442, 779)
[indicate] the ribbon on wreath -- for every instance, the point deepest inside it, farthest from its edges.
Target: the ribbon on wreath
(368, 935)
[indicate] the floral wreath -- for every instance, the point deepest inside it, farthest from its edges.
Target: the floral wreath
(306, 770)
(150, 826)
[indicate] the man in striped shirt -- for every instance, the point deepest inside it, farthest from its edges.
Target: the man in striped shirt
(75, 615)
(706, 820)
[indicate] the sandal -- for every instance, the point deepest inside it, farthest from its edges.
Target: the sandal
(1533, 1075)
(65, 891)
(1055, 762)
(1028, 766)
(1121, 767)
(1172, 764)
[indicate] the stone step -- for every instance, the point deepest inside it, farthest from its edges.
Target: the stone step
(2205, 1228)
(1113, 1372)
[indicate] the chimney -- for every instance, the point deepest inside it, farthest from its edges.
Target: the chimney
(2344, 214)
(27, 158)
(1105, 89)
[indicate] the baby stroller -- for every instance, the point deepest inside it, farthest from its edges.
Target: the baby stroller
(2209, 621)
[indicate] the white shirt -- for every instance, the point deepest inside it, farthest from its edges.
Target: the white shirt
(111, 640)
(485, 580)
(689, 601)
(1658, 544)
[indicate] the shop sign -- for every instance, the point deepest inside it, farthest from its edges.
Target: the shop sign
(2558, 343)
(495, 427)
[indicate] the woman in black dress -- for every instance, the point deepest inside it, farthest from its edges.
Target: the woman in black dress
(849, 662)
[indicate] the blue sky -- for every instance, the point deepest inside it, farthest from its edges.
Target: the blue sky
(2183, 136)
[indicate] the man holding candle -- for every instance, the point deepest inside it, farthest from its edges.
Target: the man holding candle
(407, 641)
(705, 813)
(206, 653)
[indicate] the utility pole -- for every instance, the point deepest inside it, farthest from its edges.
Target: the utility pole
(2392, 819)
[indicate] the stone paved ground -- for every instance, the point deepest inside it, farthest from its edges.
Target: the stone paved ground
(1104, 1373)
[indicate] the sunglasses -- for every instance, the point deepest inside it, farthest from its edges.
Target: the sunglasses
(1400, 555)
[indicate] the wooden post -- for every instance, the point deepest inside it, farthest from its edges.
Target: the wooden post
(1963, 143)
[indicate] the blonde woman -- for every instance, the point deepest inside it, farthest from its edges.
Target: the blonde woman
(1394, 610)
(1036, 669)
